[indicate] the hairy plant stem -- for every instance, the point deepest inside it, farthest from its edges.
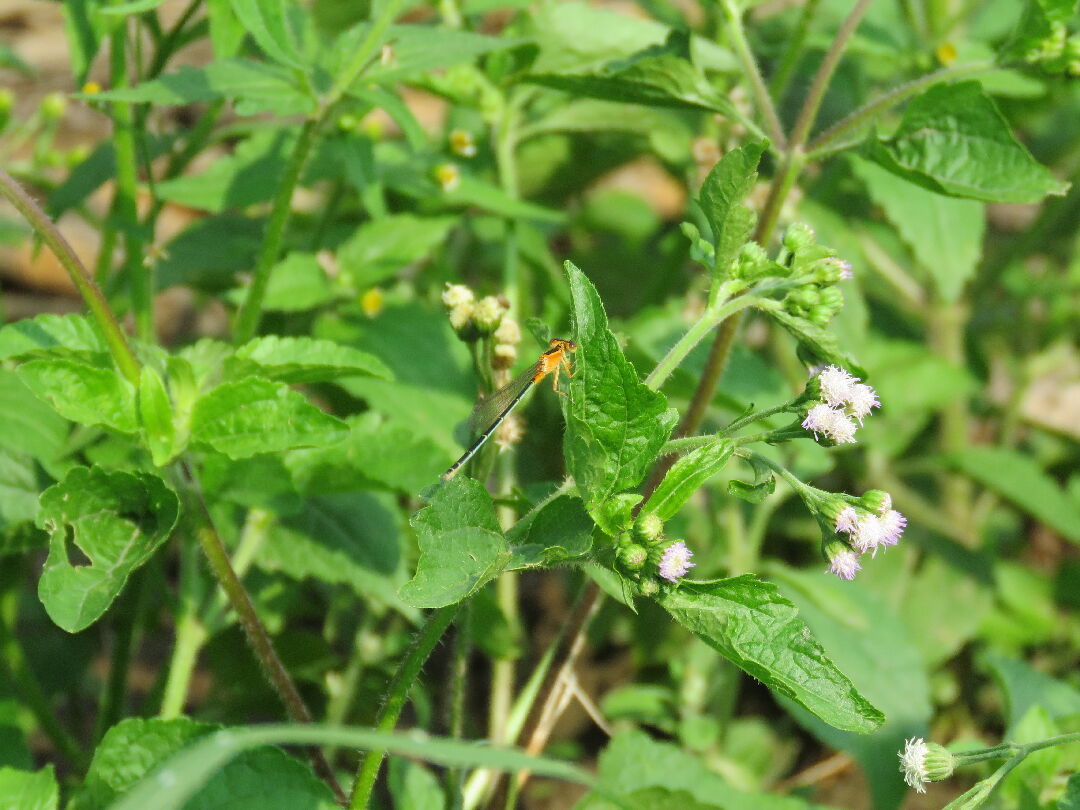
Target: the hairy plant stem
(455, 777)
(89, 290)
(398, 692)
(247, 319)
(254, 630)
(737, 35)
(139, 276)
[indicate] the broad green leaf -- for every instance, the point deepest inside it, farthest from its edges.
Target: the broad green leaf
(383, 247)
(749, 623)
(255, 415)
(944, 233)
(594, 115)
(685, 476)
(264, 776)
(865, 639)
(415, 49)
(633, 762)
(189, 770)
(954, 141)
(660, 76)
(29, 790)
(1024, 687)
(50, 335)
(348, 539)
(156, 416)
(18, 489)
(1018, 479)
(721, 199)
(226, 31)
(932, 594)
(303, 360)
(375, 454)
(297, 283)
(25, 425)
(414, 787)
(267, 23)
(249, 175)
(556, 530)
(615, 426)
(116, 520)
(259, 86)
(461, 546)
(454, 564)
(98, 169)
(188, 260)
(83, 393)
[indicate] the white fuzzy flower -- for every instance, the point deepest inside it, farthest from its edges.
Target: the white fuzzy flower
(836, 385)
(820, 419)
(842, 430)
(508, 332)
(847, 520)
(861, 399)
(844, 564)
(913, 764)
(457, 294)
(676, 561)
(868, 535)
(892, 526)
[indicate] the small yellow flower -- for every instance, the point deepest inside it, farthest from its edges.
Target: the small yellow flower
(91, 88)
(447, 176)
(462, 143)
(371, 302)
(945, 53)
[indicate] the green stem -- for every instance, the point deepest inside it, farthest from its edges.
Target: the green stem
(826, 143)
(254, 630)
(455, 777)
(793, 50)
(84, 282)
(423, 643)
(247, 319)
(694, 335)
(190, 632)
(753, 73)
(13, 663)
(139, 276)
(816, 94)
(126, 620)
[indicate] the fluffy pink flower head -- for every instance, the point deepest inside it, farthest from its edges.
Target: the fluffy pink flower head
(847, 520)
(844, 564)
(675, 563)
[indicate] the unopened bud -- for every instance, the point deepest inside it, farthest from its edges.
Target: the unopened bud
(633, 556)
(650, 527)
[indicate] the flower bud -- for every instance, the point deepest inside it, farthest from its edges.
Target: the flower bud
(798, 235)
(922, 762)
(447, 176)
(877, 501)
(504, 355)
(649, 527)
(633, 556)
(488, 313)
(462, 143)
(752, 257)
(508, 332)
(53, 106)
(347, 122)
(648, 587)
(820, 314)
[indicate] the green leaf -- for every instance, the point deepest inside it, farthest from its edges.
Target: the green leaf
(954, 141)
(383, 247)
(266, 21)
(461, 546)
(721, 199)
(557, 530)
(134, 7)
(862, 636)
(297, 283)
(51, 335)
(944, 233)
(255, 415)
(303, 360)
(209, 253)
(156, 415)
(264, 776)
(660, 76)
(750, 624)
(816, 342)
(18, 489)
(116, 520)
(632, 765)
(615, 425)
(190, 769)
(247, 176)
(416, 49)
(348, 539)
(375, 454)
(83, 393)
(29, 790)
(26, 427)
(685, 476)
(414, 787)
(1017, 478)
(260, 86)
(1025, 687)
(763, 485)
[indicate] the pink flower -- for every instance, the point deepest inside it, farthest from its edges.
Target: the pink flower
(847, 520)
(844, 564)
(676, 561)
(892, 526)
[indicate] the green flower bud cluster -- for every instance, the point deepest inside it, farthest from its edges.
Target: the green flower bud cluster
(1057, 52)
